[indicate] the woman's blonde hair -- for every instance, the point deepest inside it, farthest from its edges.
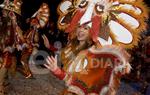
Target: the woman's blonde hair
(73, 45)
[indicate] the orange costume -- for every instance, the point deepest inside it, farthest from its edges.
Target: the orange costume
(13, 37)
(95, 72)
(114, 25)
(38, 20)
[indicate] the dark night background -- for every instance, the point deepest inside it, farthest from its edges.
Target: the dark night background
(29, 7)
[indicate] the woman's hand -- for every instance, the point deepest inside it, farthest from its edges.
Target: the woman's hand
(52, 66)
(51, 63)
(46, 41)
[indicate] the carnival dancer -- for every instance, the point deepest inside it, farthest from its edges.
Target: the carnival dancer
(107, 27)
(81, 59)
(11, 37)
(37, 21)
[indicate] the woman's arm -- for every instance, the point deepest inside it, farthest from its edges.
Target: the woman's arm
(53, 67)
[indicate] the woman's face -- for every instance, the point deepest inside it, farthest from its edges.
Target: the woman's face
(82, 33)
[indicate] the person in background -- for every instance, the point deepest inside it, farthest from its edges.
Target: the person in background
(11, 39)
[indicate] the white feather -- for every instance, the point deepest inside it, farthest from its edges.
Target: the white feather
(121, 33)
(88, 14)
(129, 20)
(77, 69)
(130, 7)
(85, 63)
(42, 23)
(64, 6)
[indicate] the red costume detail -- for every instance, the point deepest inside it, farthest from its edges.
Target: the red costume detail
(95, 27)
(74, 21)
(59, 73)
(52, 48)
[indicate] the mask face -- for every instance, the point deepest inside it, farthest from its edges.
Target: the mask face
(112, 21)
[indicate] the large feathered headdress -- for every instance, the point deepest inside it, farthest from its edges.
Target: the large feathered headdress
(42, 15)
(117, 22)
(14, 6)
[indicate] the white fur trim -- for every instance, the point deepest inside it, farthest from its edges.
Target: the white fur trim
(75, 90)
(104, 90)
(103, 42)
